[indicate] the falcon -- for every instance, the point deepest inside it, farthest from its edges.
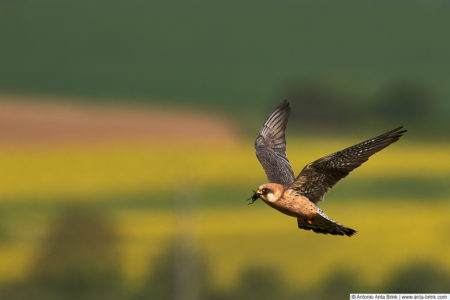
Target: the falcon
(298, 197)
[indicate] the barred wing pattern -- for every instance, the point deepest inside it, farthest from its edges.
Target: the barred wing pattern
(270, 146)
(319, 176)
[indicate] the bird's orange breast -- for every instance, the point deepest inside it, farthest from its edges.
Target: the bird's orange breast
(295, 205)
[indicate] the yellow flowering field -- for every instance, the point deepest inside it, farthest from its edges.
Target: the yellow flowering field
(50, 172)
(391, 233)
(229, 240)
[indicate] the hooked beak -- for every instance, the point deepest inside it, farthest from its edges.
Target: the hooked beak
(255, 197)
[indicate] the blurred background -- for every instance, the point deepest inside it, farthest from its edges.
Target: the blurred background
(126, 147)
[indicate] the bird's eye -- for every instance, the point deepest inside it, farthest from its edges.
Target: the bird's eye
(265, 191)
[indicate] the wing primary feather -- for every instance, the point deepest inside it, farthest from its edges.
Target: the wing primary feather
(319, 176)
(270, 146)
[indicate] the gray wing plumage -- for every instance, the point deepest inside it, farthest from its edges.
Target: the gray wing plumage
(270, 146)
(319, 176)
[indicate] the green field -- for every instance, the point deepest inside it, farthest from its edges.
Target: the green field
(221, 53)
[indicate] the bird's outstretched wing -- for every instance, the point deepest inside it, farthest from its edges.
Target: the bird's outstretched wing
(270, 146)
(319, 176)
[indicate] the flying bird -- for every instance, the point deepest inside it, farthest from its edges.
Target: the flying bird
(298, 197)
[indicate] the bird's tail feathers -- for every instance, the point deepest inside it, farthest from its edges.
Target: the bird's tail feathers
(321, 223)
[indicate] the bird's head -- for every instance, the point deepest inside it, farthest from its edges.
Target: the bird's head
(269, 192)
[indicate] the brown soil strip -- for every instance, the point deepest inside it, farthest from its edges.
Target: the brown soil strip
(45, 122)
